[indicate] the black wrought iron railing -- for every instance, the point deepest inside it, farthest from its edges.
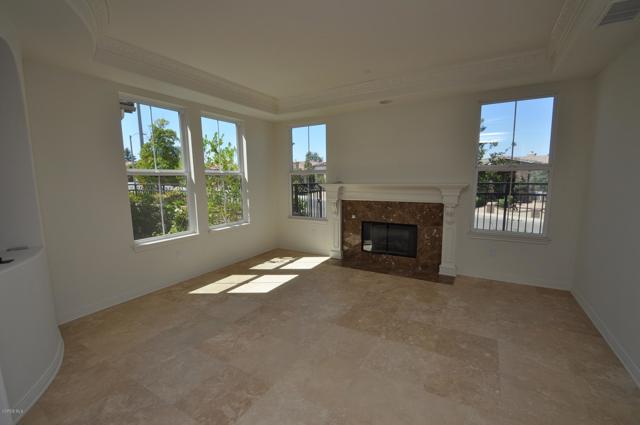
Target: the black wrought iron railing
(512, 207)
(155, 188)
(308, 200)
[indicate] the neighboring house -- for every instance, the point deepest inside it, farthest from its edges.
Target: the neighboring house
(315, 165)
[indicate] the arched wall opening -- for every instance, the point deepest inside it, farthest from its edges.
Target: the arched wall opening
(31, 347)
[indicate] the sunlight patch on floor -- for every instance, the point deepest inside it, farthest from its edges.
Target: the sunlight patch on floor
(263, 284)
(223, 284)
(305, 263)
(274, 263)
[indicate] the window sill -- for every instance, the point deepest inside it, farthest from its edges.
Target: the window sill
(228, 226)
(511, 237)
(144, 245)
(311, 219)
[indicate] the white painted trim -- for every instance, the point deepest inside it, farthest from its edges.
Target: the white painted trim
(39, 387)
(93, 13)
(520, 68)
(616, 346)
(187, 171)
(518, 236)
(293, 172)
(242, 165)
(509, 237)
(512, 69)
(519, 279)
(577, 18)
(302, 218)
(128, 57)
(69, 315)
(228, 226)
(563, 27)
(159, 241)
(442, 193)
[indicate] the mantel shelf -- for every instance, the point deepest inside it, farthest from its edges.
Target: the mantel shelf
(445, 193)
(397, 186)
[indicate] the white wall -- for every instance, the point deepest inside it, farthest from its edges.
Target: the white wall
(75, 127)
(30, 343)
(435, 141)
(19, 219)
(608, 278)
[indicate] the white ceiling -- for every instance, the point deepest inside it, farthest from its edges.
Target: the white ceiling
(289, 48)
(280, 59)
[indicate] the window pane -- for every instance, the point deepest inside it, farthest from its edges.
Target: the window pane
(309, 147)
(220, 144)
(224, 198)
(308, 198)
(158, 205)
(533, 130)
(151, 138)
(496, 133)
(512, 201)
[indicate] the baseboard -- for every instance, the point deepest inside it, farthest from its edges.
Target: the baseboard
(69, 315)
(532, 281)
(616, 346)
(39, 387)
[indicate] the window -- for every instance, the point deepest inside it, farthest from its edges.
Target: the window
(157, 169)
(308, 171)
(223, 167)
(513, 166)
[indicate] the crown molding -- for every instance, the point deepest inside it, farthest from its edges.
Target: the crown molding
(466, 76)
(94, 14)
(519, 68)
(577, 19)
(113, 52)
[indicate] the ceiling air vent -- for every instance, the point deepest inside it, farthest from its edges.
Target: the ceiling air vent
(620, 11)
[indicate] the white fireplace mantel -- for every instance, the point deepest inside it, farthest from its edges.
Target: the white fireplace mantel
(442, 193)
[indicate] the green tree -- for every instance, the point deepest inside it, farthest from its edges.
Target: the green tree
(156, 199)
(311, 156)
(129, 156)
(495, 182)
(162, 151)
(224, 191)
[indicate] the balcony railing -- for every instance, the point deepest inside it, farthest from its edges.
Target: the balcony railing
(512, 207)
(308, 200)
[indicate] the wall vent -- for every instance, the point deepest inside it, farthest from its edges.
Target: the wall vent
(620, 11)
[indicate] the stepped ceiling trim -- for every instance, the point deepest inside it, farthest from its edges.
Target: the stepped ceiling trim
(521, 67)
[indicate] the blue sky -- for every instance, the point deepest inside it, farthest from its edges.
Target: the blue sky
(309, 138)
(532, 129)
(227, 130)
(147, 113)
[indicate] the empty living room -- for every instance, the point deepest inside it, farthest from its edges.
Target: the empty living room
(295, 212)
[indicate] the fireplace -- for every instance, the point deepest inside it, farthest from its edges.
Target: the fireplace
(390, 238)
(403, 238)
(428, 207)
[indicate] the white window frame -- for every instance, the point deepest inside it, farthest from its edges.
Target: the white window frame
(185, 172)
(240, 146)
(506, 234)
(293, 172)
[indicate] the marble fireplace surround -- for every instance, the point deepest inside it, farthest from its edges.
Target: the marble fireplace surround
(447, 194)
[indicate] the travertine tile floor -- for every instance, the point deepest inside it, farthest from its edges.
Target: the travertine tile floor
(338, 346)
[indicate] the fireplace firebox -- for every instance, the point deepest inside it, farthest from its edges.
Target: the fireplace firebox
(390, 238)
